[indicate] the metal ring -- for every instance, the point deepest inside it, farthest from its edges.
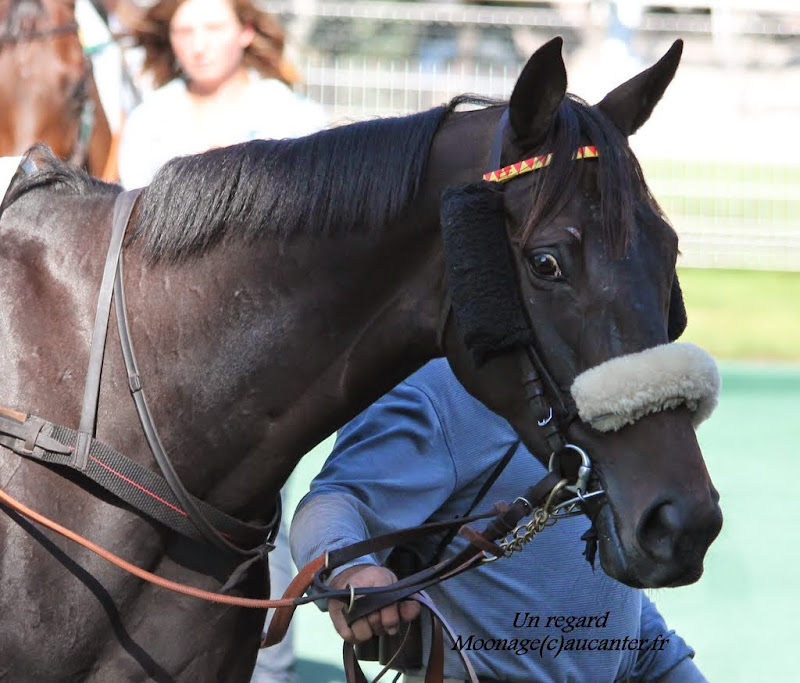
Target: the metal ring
(352, 597)
(526, 501)
(584, 470)
(548, 505)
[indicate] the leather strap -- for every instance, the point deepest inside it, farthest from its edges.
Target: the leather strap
(372, 599)
(315, 572)
(187, 502)
(496, 152)
(434, 671)
(487, 484)
(12, 432)
(138, 486)
(443, 625)
(283, 615)
(123, 206)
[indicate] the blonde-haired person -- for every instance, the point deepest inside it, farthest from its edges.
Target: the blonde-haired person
(220, 78)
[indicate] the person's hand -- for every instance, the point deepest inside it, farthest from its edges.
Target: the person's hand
(387, 620)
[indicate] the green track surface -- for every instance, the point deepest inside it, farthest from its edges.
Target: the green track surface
(743, 315)
(741, 616)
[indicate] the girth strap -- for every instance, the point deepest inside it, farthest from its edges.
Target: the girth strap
(138, 486)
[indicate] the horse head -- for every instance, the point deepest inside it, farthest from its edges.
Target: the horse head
(48, 93)
(566, 302)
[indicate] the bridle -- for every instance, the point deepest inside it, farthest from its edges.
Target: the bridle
(80, 148)
(26, 435)
(552, 413)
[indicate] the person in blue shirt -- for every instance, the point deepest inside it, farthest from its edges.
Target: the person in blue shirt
(422, 453)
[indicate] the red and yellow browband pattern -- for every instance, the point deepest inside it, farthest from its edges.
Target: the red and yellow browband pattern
(501, 175)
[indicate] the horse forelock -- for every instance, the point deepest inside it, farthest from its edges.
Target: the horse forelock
(355, 177)
(620, 180)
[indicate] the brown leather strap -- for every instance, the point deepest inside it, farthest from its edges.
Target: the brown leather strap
(426, 602)
(14, 414)
(283, 615)
(476, 539)
(434, 672)
(352, 669)
(372, 599)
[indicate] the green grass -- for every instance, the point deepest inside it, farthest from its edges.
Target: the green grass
(743, 315)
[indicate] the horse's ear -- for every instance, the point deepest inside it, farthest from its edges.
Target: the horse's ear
(631, 104)
(539, 90)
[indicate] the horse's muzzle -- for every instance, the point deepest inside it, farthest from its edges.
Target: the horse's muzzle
(667, 547)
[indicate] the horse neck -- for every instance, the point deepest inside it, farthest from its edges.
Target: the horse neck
(385, 317)
(315, 328)
(366, 313)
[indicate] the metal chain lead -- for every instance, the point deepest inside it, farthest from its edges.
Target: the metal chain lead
(523, 534)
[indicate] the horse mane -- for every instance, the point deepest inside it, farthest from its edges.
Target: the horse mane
(355, 177)
(55, 174)
(624, 194)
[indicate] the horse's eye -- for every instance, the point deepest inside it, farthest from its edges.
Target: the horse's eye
(544, 264)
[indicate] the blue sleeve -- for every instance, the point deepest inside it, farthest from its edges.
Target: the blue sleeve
(667, 649)
(391, 465)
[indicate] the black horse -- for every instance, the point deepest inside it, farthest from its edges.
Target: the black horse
(275, 289)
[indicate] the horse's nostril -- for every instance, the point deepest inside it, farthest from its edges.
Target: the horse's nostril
(658, 531)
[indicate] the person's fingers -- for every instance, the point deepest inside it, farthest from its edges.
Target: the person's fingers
(374, 621)
(385, 620)
(364, 629)
(336, 613)
(409, 610)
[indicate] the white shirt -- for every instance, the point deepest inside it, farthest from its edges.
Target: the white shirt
(157, 130)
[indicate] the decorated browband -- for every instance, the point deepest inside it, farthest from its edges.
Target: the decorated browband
(501, 175)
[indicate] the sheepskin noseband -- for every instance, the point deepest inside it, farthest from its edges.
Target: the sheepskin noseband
(621, 390)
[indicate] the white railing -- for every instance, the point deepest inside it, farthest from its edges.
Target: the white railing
(738, 213)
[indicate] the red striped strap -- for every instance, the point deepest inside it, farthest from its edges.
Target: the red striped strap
(502, 175)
